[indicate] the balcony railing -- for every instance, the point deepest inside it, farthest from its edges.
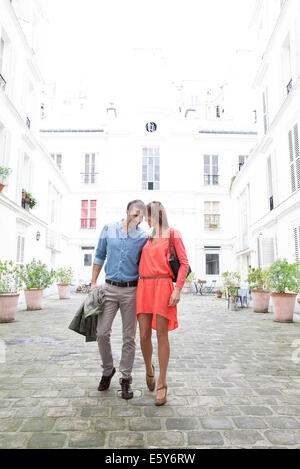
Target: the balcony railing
(211, 179)
(289, 86)
(212, 221)
(2, 82)
(89, 178)
(28, 123)
(88, 223)
(271, 201)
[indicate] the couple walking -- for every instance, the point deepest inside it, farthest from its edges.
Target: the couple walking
(139, 283)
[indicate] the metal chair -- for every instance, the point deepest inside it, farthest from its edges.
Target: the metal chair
(210, 289)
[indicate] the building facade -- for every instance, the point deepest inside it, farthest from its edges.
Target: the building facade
(266, 193)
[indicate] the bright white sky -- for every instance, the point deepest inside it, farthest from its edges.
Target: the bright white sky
(90, 39)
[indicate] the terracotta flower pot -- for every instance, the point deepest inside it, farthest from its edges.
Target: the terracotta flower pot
(283, 306)
(261, 299)
(34, 298)
(1, 186)
(8, 306)
(298, 300)
(64, 291)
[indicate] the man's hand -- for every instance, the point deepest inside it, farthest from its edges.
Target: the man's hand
(93, 286)
(175, 297)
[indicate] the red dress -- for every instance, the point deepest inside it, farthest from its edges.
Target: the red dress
(153, 295)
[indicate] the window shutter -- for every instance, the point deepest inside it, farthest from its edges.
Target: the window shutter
(297, 242)
(297, 155)
(267, 252)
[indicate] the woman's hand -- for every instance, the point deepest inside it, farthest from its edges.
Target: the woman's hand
(175, 297)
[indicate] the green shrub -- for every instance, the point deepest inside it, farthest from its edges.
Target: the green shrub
(284, 277)
(10, 277)
(64, 275)
(232, 282)
(36, 275)
(258, 279)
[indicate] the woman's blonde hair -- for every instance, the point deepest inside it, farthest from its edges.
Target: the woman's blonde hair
(158, 213)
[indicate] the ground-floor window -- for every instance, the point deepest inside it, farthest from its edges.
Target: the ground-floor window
(20, 249)
(87, 255)
(212, 261)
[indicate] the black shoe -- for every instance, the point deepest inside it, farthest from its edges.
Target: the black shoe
(127, 392)
(105, 381)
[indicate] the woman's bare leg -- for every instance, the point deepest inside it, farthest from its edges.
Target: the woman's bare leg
(145, 321)
(163, 352)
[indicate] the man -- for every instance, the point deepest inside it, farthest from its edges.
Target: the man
(121, 243)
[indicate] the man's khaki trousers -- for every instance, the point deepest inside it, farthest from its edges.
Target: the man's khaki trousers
(123, 298)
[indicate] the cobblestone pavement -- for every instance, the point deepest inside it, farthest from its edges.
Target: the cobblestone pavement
(232, 383)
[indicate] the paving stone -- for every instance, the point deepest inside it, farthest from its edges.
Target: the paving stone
(192, 411)
(165, 439)
(61, 412)
(282, 422)
(38, 425)
(244, 437)
(10, 425)
(224, 411)
(204, 438)
(287, 410)
(215, 423)
(144, 424)
(126, 412)
(159, 411)
(95, 412)
(249, 422)
(110, 424)
(283, 437)
(71, 424)
(126, 440)
(47, 441)
(13, 441)
(29, 412)
(184, 423)
(87, 440)
(255, 410)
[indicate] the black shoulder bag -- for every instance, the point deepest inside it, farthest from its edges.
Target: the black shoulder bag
(174, 261)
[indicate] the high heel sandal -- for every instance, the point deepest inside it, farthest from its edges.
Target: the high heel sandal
(150, 380)
(164, 399)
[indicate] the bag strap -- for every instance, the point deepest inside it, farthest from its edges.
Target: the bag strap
(171, 244)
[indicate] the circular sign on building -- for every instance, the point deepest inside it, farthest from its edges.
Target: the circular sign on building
(151, 127)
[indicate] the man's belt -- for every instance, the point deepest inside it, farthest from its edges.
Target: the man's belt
(133, 283)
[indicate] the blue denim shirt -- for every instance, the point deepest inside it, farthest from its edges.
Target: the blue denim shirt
(123, 252)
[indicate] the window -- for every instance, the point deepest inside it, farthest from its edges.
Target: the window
(266, 110)
(212, 215)
(89, 175)
(20, 249)
(270, 183)
(297, 242)
(212, 260)
(286, 66)
(242, 160)
(243, 219)
(151, 169)
(294, 158)
(3, 135)
(211, 170)
(88, 214)
(54, 204)
(57, 157)
(87, 260)
(27, 173)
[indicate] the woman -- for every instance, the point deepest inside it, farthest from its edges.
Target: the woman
(156, 297)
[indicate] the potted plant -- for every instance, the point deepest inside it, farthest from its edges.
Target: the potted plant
(284, 282)
(36, 277)
(64, 276)
(219, 293)
(258, 282)
(4, 173)
(232, 282)
(29, 201)
(10, 286)
(187, 286)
